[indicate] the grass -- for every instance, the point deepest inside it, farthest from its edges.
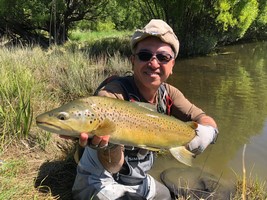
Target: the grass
(85, 36)
(249, 188)
(103, 43)
(35, 164)
(9, 177)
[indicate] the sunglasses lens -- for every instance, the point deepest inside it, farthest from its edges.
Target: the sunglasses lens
(163, 57)
(144, 56)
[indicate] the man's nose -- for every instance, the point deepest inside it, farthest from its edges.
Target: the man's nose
(154, 62)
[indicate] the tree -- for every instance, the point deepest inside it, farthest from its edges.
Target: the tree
(31, 20)
(203, 24)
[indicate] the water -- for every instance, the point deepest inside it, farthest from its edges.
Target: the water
(232, 88)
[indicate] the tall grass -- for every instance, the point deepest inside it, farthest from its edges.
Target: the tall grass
(34, 80)
(15, 97)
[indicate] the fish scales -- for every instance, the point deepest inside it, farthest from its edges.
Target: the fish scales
(126, 122)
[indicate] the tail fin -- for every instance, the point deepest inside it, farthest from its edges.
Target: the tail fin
(182, 155)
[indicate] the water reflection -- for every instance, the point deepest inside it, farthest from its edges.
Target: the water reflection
(231, 87)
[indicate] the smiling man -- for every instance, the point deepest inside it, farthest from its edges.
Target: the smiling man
(107, 171)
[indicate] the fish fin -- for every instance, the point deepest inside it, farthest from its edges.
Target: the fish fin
(192, 124)
(147, 106)
(107, 127)
(182, 155)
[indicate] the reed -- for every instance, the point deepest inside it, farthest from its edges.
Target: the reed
(249, 187)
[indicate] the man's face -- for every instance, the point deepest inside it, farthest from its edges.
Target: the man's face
(152, 61)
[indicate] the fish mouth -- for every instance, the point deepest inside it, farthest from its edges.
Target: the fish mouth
(61, 129)
(48, 125)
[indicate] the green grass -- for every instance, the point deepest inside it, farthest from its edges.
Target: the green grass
(15, 96)
(9, 188)
(85, 36)
(106, 43)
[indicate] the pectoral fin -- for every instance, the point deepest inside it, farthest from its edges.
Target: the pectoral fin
(182, 155)
(192, 124)
(107, 127)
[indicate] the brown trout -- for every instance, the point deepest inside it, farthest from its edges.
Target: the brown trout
(127, 123)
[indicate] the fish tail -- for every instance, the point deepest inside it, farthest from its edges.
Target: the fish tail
(182, 155)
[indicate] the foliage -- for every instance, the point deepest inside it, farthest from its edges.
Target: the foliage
(29, 19)
(236, 16)
(201, 25)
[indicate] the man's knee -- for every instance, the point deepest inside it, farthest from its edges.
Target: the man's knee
(162, 192)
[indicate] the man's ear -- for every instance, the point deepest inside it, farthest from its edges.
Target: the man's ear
(173, 63)
(132, 60)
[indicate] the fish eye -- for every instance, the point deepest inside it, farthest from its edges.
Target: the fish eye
(63, 116)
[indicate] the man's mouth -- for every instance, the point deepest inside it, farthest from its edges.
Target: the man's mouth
(152, 73)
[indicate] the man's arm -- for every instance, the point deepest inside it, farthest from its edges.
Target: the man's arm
(207, 121)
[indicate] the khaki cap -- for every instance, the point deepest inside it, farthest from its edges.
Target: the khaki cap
(157, 28)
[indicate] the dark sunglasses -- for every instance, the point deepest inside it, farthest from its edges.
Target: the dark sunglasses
(147, 56)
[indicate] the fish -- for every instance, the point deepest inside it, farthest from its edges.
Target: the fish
(127, 123)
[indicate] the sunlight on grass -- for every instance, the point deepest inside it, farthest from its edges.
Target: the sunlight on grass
(84, 36)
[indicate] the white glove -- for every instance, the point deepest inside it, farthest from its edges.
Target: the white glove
(205, 135)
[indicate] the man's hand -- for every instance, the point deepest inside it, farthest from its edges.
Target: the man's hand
(205, 135)
(94, 142)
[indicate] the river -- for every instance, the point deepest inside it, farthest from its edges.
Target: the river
(230, 86)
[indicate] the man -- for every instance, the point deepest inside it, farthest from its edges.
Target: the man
(108, 171)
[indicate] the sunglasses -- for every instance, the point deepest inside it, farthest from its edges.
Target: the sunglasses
(147, 56)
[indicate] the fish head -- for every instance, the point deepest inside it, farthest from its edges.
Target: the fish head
(70, 119)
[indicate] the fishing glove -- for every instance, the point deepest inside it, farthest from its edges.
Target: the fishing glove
(205, 135)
